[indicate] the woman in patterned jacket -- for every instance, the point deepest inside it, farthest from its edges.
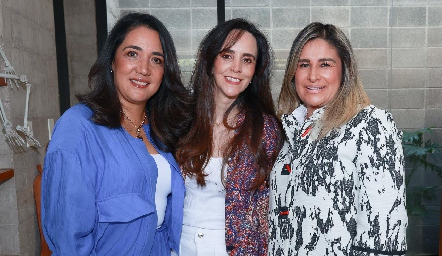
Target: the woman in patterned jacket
(229, 152)
(337, 187)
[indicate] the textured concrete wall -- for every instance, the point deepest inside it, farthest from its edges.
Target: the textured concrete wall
(27, 36)
(27, 29)
(398, 45)
(81, 43)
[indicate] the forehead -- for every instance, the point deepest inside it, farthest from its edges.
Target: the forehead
(144, 37)
(241, 40)
(319, 48)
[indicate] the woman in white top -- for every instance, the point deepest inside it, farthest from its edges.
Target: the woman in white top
(232, 144)
(337, 187)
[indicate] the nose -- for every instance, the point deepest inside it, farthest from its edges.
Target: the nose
(236, 66)
(143, 68)
(314, 75)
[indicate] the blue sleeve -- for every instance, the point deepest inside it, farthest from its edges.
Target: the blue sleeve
(175, 206)
(69, 214)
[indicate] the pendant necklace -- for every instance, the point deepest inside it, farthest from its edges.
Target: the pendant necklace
(138, 128)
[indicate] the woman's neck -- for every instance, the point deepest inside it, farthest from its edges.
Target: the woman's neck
(221, 135)
(221, 109)
(135, 113)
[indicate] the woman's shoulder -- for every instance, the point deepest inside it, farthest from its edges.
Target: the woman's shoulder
(76, 117)
(78, 113)
(373, 112)
(272, 132)
(72, 126)
(270, 119)
(271, 123)
(372, 116)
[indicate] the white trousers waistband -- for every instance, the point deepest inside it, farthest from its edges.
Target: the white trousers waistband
(202, 235)
(204, 242)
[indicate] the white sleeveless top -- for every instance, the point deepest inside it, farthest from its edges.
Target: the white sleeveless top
(163, 187)
(204, 207)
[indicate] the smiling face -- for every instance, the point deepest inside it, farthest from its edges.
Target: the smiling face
(318, 75)
(138, 66)
(233, 69)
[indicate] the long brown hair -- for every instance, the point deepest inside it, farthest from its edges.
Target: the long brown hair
(167, 119)
(195, 149)
(350, 98)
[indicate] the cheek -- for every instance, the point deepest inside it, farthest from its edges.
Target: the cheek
(298, 76)
(159, 71)
(297, 82)
(335, 79)
(120, 65)
(251, 70)
(298, 88)
(217, 66)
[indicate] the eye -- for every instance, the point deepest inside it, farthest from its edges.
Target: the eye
(132, 54)
(225, 56)
(325, 64)
(248, 60)
(303, 65)
(157, 60)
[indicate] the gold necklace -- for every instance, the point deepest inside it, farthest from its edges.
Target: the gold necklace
(138, 128)
(217, 124)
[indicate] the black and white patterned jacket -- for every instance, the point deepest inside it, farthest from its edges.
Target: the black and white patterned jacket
(343, 194)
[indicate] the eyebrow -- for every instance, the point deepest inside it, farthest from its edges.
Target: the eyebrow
(141, 49)
(322, 59)
(244, 54)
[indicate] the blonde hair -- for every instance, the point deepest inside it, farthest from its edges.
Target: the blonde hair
(349, 99)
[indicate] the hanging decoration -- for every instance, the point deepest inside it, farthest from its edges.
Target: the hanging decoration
(11, 78)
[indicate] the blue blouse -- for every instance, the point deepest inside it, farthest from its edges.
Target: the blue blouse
(98, 191)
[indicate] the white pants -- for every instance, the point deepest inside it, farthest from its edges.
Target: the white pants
(202, 242)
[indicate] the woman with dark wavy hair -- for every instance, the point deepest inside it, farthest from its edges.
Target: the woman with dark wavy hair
(337, 187)
(230, 148)
(110, 183)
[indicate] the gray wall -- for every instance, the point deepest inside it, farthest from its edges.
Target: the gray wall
(398, 43)
(81, 43)
(27, 36)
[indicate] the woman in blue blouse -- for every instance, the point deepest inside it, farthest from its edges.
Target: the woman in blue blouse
(110, 184)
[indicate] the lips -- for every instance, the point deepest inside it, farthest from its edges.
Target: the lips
(139, 83)
(232, 79)
(315, 88)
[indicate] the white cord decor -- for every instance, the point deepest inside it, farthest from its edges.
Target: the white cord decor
(14, 80)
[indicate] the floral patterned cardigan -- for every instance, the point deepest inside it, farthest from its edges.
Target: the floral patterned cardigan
(246, 210)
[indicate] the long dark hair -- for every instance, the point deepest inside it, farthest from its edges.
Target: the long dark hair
(165, 108)
(253, 103)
